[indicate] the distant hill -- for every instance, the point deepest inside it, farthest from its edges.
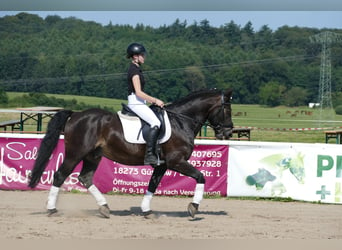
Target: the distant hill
(74, 57)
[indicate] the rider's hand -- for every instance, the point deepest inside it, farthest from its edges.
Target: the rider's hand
(159, 103)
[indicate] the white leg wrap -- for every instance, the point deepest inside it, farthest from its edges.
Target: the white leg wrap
(199, 191)
(146, 202)
(100, 199)
(52, 198)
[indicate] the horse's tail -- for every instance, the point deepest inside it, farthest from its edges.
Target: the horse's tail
(48, 144)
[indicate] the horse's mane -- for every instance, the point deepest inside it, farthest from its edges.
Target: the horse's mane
(194, 95)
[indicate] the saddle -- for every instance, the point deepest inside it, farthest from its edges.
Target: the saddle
(128, 116)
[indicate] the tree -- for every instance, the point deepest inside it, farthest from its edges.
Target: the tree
(195, 79)
(177, 28)
(247, 36)
(232, 32)
(265, 38)
(296, 96)
(248, 29)
(271, 94)
(52, 19)
(3, 97)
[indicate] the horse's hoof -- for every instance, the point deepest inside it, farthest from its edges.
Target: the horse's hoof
(104, 211)
(148, 214)
(192, 209)
(52, 212)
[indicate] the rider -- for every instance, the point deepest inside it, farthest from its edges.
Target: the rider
(137, 99)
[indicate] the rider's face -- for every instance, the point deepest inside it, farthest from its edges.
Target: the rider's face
(141, 58)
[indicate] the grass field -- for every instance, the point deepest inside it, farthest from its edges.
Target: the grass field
(268, 124)
(108, 102)
(284, 124)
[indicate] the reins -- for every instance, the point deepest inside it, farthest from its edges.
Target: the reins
(223, 106)
(184, 116)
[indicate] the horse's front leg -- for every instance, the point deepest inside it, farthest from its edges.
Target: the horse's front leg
(187, 169)
(198, 197)
(156, 177)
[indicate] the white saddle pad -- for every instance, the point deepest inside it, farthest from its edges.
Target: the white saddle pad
(131, 126)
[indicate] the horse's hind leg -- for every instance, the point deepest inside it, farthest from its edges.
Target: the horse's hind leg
(58, 179)
(90, 164)
(156, 177)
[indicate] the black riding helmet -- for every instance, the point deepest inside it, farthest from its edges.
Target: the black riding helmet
(135, 49)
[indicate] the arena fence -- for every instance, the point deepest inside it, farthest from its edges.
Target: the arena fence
(300, 171)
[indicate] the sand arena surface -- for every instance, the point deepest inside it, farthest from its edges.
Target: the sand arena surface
(23, 216)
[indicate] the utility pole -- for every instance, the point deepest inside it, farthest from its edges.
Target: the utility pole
(326, 38)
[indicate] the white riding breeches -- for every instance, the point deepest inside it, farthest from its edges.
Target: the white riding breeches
(139, 107)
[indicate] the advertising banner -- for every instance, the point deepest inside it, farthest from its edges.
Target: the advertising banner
(308, 172)
(300, 171)
(17, 156)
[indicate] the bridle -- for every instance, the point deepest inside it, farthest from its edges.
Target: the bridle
(220, 126)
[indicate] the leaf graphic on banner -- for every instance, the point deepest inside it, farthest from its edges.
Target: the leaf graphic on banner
(281, 162)
(338, 192)
(278, 162)
(297, 168)
(260, 178)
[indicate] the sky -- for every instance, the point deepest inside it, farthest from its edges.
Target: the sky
(273, 19)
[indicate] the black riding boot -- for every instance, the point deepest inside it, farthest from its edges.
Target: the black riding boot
(151, 141)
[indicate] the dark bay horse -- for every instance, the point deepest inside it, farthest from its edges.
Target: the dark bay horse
(93, 133)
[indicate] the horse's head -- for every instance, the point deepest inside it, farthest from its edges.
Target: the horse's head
(220, 116)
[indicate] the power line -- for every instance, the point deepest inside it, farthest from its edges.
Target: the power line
(55, 80)
(251, 62)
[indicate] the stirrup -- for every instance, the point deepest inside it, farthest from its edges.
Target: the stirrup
(154, 163)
